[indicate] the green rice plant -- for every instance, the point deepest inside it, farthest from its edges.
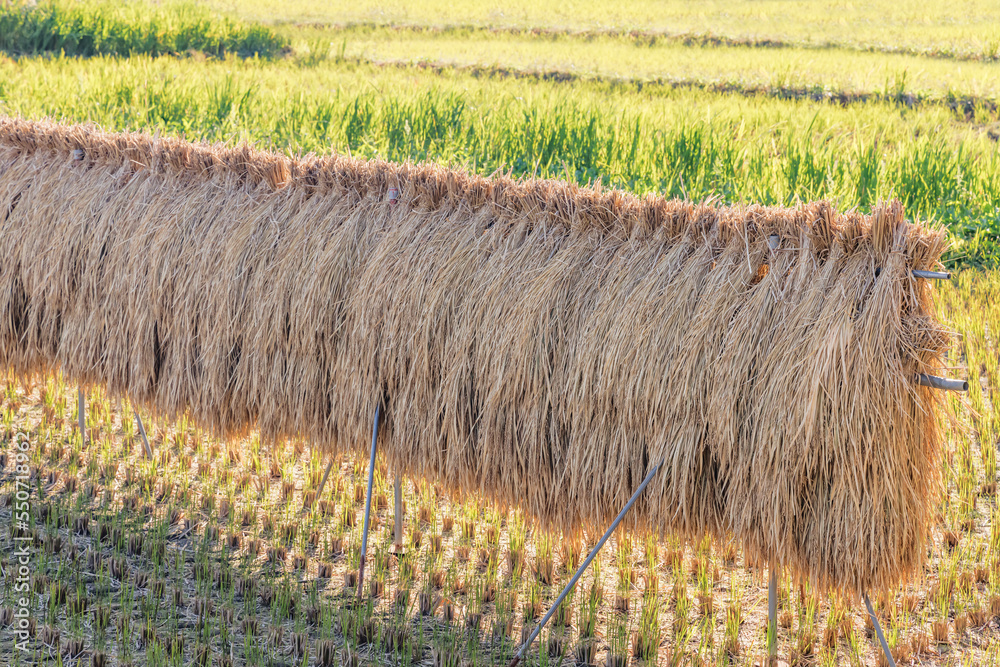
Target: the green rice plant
(617, 638)
(805, 640)
(646, 640)
(544, 567)
(494, 529)
(827, 657)
(677, 651)
(515, 552)
(532, 608)
(706, 599)
(590, 604)
(95, 27)
(505, 611)
(563, 617)
(942, 606)
(731, 646)
(706, 639)
(7, 419)
(682, 604)
(623, 562)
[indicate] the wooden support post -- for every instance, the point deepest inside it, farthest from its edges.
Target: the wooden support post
(772, 615)
(81, 414)
(398, 492)
(368, 504)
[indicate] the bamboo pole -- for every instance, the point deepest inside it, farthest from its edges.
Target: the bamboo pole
(580, 570)
(948, 384)
(926, 275)
(878, 631)
(368, 504)
(81, 414)
(931, 275)
(398, 492)
(772, 614)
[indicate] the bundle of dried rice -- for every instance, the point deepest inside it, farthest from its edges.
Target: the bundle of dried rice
(536, 342)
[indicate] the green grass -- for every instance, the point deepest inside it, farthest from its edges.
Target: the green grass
(105, 27)
(675, 143)
(963, 27)
(829, 70)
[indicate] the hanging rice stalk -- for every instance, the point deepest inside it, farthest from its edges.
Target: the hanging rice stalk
(539, 343)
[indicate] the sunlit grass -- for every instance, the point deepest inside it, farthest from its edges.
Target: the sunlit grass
(965, 26)
(91, 27)
(637, 59)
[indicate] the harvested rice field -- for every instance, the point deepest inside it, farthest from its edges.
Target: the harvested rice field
(221, 553)
(219, 518)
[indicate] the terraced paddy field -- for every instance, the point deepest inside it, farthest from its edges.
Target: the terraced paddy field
(218, 552)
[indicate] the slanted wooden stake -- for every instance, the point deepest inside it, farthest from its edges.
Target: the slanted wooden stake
(142, 434)
(580, 570)
(368, 504)
(878, 631)
(322, 482)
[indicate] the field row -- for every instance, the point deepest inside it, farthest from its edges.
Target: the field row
(638, 59)
(99, 27)
(984, 112)
(967, 28)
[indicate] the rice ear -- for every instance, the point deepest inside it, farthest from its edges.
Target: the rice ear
(532, 341)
